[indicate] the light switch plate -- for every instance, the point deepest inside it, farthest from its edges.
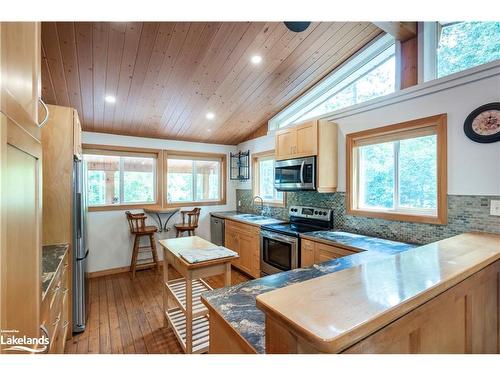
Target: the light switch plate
(239, 203)
(495, 207)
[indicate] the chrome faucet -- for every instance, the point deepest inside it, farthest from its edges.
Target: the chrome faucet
(261, 203)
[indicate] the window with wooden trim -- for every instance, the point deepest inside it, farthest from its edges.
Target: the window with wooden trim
(263, 179)
(118, 177)
(194, 178)
(398, 172)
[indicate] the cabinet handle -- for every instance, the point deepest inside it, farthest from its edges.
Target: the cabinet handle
(46, 118)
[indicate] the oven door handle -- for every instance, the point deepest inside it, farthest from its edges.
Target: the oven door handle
(275, 236)
(302, 172)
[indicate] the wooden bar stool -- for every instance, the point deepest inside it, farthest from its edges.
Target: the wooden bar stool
(137, 224)
(190, 224)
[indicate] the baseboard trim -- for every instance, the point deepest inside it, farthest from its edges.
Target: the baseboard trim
(125, 269)
(111, 271)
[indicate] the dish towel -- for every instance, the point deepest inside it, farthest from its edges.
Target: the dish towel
(196, 256)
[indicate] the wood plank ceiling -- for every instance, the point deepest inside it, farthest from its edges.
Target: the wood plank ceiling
(166, 76)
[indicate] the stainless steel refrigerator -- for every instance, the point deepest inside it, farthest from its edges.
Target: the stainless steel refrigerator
(80, 248)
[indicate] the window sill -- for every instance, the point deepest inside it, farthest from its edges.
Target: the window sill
(441, 218)
(121, 207)
(192, 204)
(274, 203)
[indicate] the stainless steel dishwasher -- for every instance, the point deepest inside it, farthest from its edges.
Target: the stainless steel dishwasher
(217, 230)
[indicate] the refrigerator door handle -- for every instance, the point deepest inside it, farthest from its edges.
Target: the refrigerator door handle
(78, 198)
(85, 256)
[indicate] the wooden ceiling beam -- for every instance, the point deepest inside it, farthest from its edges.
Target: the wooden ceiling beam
(401, 31)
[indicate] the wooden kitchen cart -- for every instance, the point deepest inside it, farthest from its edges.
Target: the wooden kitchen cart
(189, 317)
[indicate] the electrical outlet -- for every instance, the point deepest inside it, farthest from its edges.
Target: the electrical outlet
(495, 207)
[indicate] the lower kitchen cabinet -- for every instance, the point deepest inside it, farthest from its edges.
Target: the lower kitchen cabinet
(245, 240)
(313, 252)
(55, 308)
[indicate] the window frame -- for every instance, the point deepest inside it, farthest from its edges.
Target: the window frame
(266, 155)
(361, 63)
(438, 124)
(198, 155)
(127, 151)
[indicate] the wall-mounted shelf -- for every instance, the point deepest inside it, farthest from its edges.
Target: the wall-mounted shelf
(240, 166)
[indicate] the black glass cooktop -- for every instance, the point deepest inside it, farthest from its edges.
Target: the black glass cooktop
(292, 229)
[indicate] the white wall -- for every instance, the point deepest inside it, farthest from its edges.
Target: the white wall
(473, 168)
(110, 242)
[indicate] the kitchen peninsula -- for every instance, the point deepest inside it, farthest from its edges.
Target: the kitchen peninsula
(369, 302)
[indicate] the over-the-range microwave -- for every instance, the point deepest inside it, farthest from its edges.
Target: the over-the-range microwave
(295, 174)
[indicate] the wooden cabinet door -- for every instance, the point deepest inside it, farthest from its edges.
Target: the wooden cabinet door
(20, 69)
(286, 141)
(20, 247)
(307, 139)
(306, 253)
(248, 248)
(323, 253)
(77, 136)
(231, 241)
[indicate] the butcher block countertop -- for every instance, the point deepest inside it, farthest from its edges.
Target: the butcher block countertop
(334, 311)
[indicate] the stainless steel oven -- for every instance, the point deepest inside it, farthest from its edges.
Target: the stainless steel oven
(295, 174)
(278, 252)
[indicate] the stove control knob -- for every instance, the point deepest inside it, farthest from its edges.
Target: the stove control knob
(315, 212)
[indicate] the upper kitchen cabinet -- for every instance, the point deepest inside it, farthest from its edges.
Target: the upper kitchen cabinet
(21, 74)
(312, 138)
(21, 177)
(297, 141)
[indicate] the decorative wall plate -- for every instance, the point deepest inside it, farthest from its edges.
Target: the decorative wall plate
(483, 124)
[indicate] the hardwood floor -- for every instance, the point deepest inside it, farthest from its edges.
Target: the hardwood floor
(126, 316)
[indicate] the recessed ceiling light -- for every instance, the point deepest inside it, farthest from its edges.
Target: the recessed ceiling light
(256, 59)
(210, 116)
(110, 98)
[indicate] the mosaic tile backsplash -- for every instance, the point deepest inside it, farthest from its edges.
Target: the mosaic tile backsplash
(466, 213)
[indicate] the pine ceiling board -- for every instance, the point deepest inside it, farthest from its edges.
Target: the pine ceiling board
(83, 36)
(47, 87)
(238, 69)
(116, 43)
(193, 51)
(299, 59)
(130, 50)
(160, 94)
(67, 45)
(249, 75)
(146, 44)
(167, 76)
(158, 57)
(274, 58)
(345, 45)
(201, 49)
(100, 42)
(50, 41)
(233, 51)
(196, 93)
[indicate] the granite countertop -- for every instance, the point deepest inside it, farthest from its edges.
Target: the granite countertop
(234, 215)
(236, 304)
(331, 318)
(51, 258)
(357, 241)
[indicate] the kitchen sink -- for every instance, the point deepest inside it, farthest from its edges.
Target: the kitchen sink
(251, 217)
